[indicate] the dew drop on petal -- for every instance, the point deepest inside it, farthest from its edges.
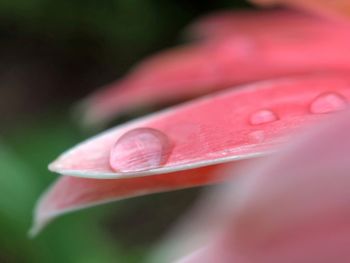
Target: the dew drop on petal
(328, 102)
(140, 149)
(257, 136)
(262, 116)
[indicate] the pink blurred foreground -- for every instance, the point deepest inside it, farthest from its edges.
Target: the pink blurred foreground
(292, 207)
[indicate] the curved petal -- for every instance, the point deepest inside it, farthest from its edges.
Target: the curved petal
(274, 21)
(290, 208)
(333, 8)
(68, 193)
(233, 125)
(199, 68)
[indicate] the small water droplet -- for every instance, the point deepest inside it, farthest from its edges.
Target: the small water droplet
(140, 149)
(262, 116)
(257, 136)
(328, 102)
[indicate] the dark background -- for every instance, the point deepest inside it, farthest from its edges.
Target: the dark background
(53, 53)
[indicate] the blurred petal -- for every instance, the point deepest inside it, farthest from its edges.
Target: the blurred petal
(243, 56)
(333, 8)
(233, 125)
(68, 193)
(274, 21)
(292, 207)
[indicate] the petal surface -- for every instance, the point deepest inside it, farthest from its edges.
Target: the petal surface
(69, 193)
(333, 8)
(237, 124)
(243, 56)
(291, 207)
(274, 21)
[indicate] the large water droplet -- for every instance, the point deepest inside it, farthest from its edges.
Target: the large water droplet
(328, 102)
(262, 116)
(140, 149)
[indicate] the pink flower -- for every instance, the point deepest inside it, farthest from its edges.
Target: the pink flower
(180, 145)
(290, 207)
(236, 47)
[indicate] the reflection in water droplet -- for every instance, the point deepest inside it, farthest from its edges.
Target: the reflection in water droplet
(140, 149)
(328, 102)
(262, 116)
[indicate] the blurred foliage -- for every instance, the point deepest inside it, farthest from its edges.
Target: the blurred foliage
(52, 54)
(118, 26)
(126, 28)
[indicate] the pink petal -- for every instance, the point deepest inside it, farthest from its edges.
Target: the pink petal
(332, 8)
(68, 193)
(200, 68)
(274, 21)
(237, 124)
(290, 208)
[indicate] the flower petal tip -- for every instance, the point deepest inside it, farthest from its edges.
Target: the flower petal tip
(36, 228)
(39, 221)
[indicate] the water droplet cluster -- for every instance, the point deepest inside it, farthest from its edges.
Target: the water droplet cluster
(146, 148)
